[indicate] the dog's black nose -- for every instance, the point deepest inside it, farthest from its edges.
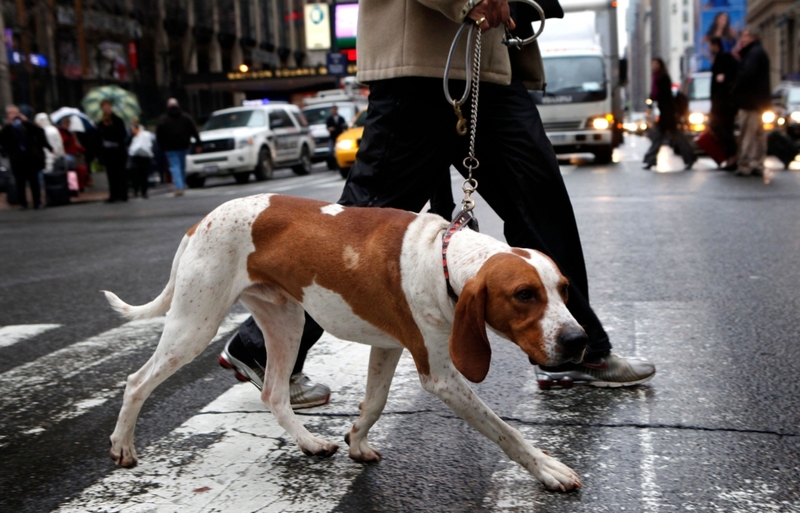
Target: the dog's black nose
(573, 341)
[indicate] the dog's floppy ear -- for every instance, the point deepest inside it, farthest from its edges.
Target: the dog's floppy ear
(469, 346)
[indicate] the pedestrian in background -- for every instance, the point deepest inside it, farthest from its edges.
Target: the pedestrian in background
(174, 133)
(723, 107)
(51, 158)
(141, 158)
(667, 124)
(336, 125)
(24, 144)
(752, 94)
(113, 152)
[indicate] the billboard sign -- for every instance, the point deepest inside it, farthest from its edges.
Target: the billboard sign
(717, 18)
(346, 25)
(318, 27)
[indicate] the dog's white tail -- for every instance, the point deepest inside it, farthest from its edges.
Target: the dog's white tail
(160, 304)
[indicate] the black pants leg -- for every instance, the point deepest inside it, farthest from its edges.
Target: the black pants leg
(141, 171)
(25, 174)
(656, 140)
(520, 179)
(117, 176)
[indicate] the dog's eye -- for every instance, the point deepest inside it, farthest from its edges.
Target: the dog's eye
(524, 295)
(564, 292)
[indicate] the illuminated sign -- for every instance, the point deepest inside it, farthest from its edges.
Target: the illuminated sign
(317, 71)
(317, 27)
(346, 25)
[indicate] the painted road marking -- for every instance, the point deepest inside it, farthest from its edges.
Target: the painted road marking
(46, 380)
(10, 335)
(243, 469)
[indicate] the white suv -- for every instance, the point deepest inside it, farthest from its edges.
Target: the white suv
(253, 139)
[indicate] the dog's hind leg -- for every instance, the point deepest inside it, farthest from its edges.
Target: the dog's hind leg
(282, 324)
(192, 322)
(382, 364)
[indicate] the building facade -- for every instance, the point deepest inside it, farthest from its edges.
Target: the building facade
(209, 54)
(779, 23)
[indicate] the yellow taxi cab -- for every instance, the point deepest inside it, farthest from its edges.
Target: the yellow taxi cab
(348, 142)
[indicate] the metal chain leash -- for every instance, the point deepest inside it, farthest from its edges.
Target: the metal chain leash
(471, 162)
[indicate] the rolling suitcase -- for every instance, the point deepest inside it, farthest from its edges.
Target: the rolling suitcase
(56, 188)
(709, 143)
(781, 145)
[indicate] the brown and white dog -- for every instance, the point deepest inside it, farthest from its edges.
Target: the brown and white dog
(369, 275)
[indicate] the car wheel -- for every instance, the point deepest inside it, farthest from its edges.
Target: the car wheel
(344, 171)
(195, 181)
(304, 167)
(264, 169)
(241, 177)
(603, 155)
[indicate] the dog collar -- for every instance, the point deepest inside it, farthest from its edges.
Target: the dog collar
(463, 218)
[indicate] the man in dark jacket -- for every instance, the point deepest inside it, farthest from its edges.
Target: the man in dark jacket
(24, 142)
(723, 107)
(173, 134)
(112, 151)
(336, 125)
(752, 94)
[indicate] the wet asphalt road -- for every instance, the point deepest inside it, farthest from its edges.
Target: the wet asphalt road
(697, 271)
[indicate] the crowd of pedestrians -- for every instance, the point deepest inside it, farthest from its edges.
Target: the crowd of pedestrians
(69, 145)
(740, 89)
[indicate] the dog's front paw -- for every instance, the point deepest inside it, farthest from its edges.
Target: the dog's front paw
(361, 451)
(554, 475)
(123, 454)
(318, 447)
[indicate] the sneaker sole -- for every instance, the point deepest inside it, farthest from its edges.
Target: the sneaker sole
(563, 380)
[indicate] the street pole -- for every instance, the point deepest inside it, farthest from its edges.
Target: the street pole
(50, 23)
(6, 98)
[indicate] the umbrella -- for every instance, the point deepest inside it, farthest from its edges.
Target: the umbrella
(79, 122)
(123, 102)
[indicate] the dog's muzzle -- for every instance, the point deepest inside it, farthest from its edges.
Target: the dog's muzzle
(572, 342)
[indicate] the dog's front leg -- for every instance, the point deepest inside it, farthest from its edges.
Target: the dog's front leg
(450, 386)
(382, 364)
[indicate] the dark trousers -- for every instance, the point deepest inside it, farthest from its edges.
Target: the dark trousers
(722, 125)
(409, 143)
(115, 164)
(25, 173)
(140, 172)
(676, 136)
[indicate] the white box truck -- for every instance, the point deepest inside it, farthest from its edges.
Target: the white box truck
(581, 105)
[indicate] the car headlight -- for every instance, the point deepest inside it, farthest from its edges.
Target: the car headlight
(697, 118)
(244, 143)
(795, 116)
(768, 117)
(345, 144)
(600, 123)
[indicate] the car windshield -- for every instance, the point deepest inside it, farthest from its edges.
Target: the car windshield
(699, 87)
(319, 115)
(361, 119)
(574, 75)
(794, 96)
(235, 119)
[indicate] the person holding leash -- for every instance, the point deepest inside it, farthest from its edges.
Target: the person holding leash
(403, 46)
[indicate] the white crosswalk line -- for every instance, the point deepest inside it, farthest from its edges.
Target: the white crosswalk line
(23, 388)
(10, 335)
(245, 468)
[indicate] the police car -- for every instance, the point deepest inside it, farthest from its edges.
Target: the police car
(252, 139)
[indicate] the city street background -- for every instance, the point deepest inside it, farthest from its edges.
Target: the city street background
(697, 271)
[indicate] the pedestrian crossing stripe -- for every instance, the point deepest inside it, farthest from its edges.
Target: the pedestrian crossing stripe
(10, 335)
(49, 380)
